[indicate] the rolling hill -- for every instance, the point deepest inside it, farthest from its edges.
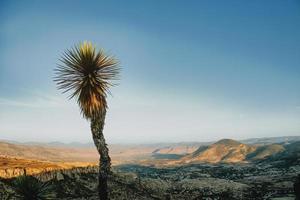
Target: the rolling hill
(225, 150)
(231, 151)
(47, 153)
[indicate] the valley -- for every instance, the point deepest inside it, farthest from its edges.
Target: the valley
(226, 169)
(16, 159)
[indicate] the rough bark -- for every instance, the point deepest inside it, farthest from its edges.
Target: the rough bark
(97, 125)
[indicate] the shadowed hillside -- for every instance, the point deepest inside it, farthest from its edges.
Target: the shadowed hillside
(265, 151)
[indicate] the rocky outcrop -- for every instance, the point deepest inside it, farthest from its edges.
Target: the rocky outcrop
(8, 173)
(12, 167)
(60, 174)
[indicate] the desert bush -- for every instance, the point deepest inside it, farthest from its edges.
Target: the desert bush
(30, 188)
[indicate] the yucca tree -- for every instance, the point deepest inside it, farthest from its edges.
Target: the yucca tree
(88, 74)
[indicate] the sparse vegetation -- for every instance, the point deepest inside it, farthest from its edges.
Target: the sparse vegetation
(30, 188)
(271, 177)
(197, 181)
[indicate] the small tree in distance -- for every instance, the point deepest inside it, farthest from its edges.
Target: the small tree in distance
(89, 74)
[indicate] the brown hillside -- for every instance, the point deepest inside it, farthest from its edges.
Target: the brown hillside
(46, 153)
(120, 154)
(226, 150)
(180, 150)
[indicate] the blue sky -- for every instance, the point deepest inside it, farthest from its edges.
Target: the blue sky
(201, 70)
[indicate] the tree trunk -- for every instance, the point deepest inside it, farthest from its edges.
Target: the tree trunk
(97, 125)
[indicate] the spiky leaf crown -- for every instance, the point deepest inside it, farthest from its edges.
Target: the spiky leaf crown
(87, 74)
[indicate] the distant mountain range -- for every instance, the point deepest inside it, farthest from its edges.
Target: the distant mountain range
(225, 150)
(34, 157)
(272, 140)
(164, 146)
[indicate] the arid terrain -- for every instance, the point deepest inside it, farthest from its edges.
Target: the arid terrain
(33, 158)
(226, 169)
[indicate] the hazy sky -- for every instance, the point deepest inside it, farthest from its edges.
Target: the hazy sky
(192, 70)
